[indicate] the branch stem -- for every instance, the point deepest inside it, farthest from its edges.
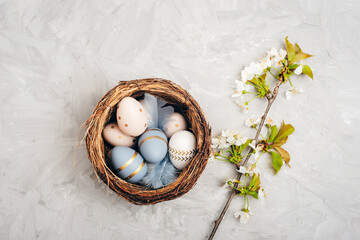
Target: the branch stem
(271, 98)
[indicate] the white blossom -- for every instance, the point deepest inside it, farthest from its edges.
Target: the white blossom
(239, 140)
(219, 142)
(256, 68)
(273, 52)
(212, 156)
(253, 69)
(240, 87)
(264, 63)
(289, 93)
(226, 182)
(252, 121)
(273, 57)
(261, 194)
(243, 215)
(282, 53)
(227, 138)
(243, 107)
(247, 74)
(269, 121)
(258, 149)
(233, 137)
(248, 169)
(276, 56)
(228, 135)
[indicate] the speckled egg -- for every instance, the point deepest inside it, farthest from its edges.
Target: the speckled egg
(175, 124)
(131, 117)
(182, 148)
(152, 145)
(113, 135)
(128, 164)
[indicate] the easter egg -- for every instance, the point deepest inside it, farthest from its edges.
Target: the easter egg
(175, 123)
(128, 164)
(182, 148)
(113, 135)
(131, 117)
(152, 145)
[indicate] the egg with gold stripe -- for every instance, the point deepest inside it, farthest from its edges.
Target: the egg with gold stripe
(182, 148)
(128, 164)
(152, 145)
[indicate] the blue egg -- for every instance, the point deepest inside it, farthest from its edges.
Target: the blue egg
(153, 145)
(128, 164)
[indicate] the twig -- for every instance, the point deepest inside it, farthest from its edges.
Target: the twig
(271, 98)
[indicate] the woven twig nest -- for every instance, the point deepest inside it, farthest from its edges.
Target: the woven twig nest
(98, 149)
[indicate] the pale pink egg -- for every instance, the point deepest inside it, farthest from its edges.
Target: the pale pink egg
(131, 117)
(113, 135)
(175, 124)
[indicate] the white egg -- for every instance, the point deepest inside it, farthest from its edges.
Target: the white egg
(113, 135)
(131, 117)
(182, 148)
(175, 124)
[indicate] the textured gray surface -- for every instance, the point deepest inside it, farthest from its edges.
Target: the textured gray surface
(58, 58)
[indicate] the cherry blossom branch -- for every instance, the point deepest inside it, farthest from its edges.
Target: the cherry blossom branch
(271, 98)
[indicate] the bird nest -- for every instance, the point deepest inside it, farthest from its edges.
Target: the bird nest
(98, 150)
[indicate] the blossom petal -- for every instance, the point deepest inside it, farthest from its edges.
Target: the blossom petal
(288, 94)
(244, 218)
(298, 70)
(242, 170)
(237, 214)
(236, 94)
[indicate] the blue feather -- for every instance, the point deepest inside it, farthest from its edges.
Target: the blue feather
(158, 110)
(160, 174)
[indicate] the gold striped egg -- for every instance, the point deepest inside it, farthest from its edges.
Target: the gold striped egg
(128, 164)
(152, 145)
(182, 148)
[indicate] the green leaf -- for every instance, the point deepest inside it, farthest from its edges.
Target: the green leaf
(284, 154)
(274, 132)
(255, 183)
(254, 179)
(242, 147)
(285, 130)
(260, 84)
(277, 161)
(301, 56)
(254, 194)
(279, 143)
(293, 66)
(290, 49)
(307, 70)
